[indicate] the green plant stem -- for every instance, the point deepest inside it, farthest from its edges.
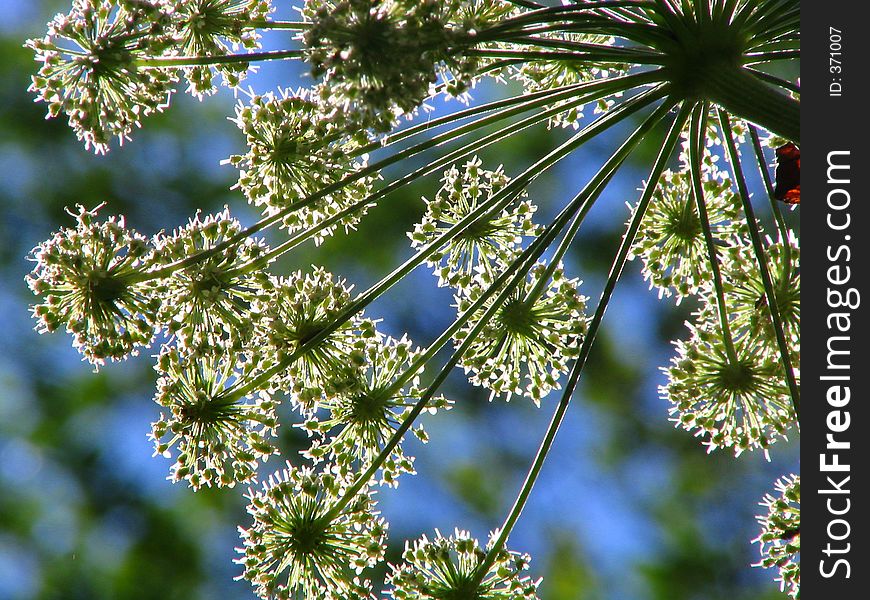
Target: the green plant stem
(196, 61)
(696, 157)
(290, 25)
(772, 55)
(761, 259)
(778, 81)
(582, 203)
(493, 204)
(613, 277)
(743, 94)
(768, 185)
(595, 90)
(601, 55)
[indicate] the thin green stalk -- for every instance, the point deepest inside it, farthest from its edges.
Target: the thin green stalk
(514, 106)
(768, 185)
(526, 4)
(783, 83)
(519, 268)
(445, 160)
(761, 259)
(696, 158)
(595, 90)
(196, 61)
(493, 204)
(752, 58)
(616, 269)
(291, 25)
(597, 56)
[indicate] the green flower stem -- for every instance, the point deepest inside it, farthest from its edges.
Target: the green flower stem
(637, 30)
(526, 4)
(595, 90)
(449, 158)
(585, 92)
(768, 184)
(742, 94)
(576, 209)
(602, 55)
(616, 269)
(769, 17)
(493, 204)
(696, 156)
(194, 61)
(760, 57)
(445, 160)
(629, 55)
(761, 258)
(778, 81)
(291, 25)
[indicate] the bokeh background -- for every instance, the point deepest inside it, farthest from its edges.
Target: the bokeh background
(627, 507)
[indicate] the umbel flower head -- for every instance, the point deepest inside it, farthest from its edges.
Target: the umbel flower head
(489, 241)
(299, 546)
(89, 68)
(527, 344)
(739, 402)
(446, 568)
(213, 28)
(365, 406)
(219, 439)
(296, 310)
(207, 303)
(746, 297)
(670, 241)
(86, 277)
(378, 60)
(294, 151)
(551, 73)
(780, 538)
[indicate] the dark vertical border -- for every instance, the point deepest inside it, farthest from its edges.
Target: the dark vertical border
(835, 252)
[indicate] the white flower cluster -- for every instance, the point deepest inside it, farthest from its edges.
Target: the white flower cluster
(780, 537)
(448, 567)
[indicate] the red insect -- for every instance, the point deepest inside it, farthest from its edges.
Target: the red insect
(788, 174)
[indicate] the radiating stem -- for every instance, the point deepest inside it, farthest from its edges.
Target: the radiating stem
(761, 259)
(582, 203)
(696, 157)
(615, 273)
(493, 204)
(195, 61)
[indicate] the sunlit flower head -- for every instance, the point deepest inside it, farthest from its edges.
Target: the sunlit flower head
(207, 304)
(89, 69)
(378, 60)
(780, 537)
(670, 241)
(745, 295)
(297, 548)
(214, 28)
(295, 312)
(364, 410)
(86, 278)
(219, 440)
(740, 402)
(488, 242)
(527, 344)
(295, 151)
(550, 73)
(446, 568)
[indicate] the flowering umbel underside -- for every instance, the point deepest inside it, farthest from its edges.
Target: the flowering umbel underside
(247, 345)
